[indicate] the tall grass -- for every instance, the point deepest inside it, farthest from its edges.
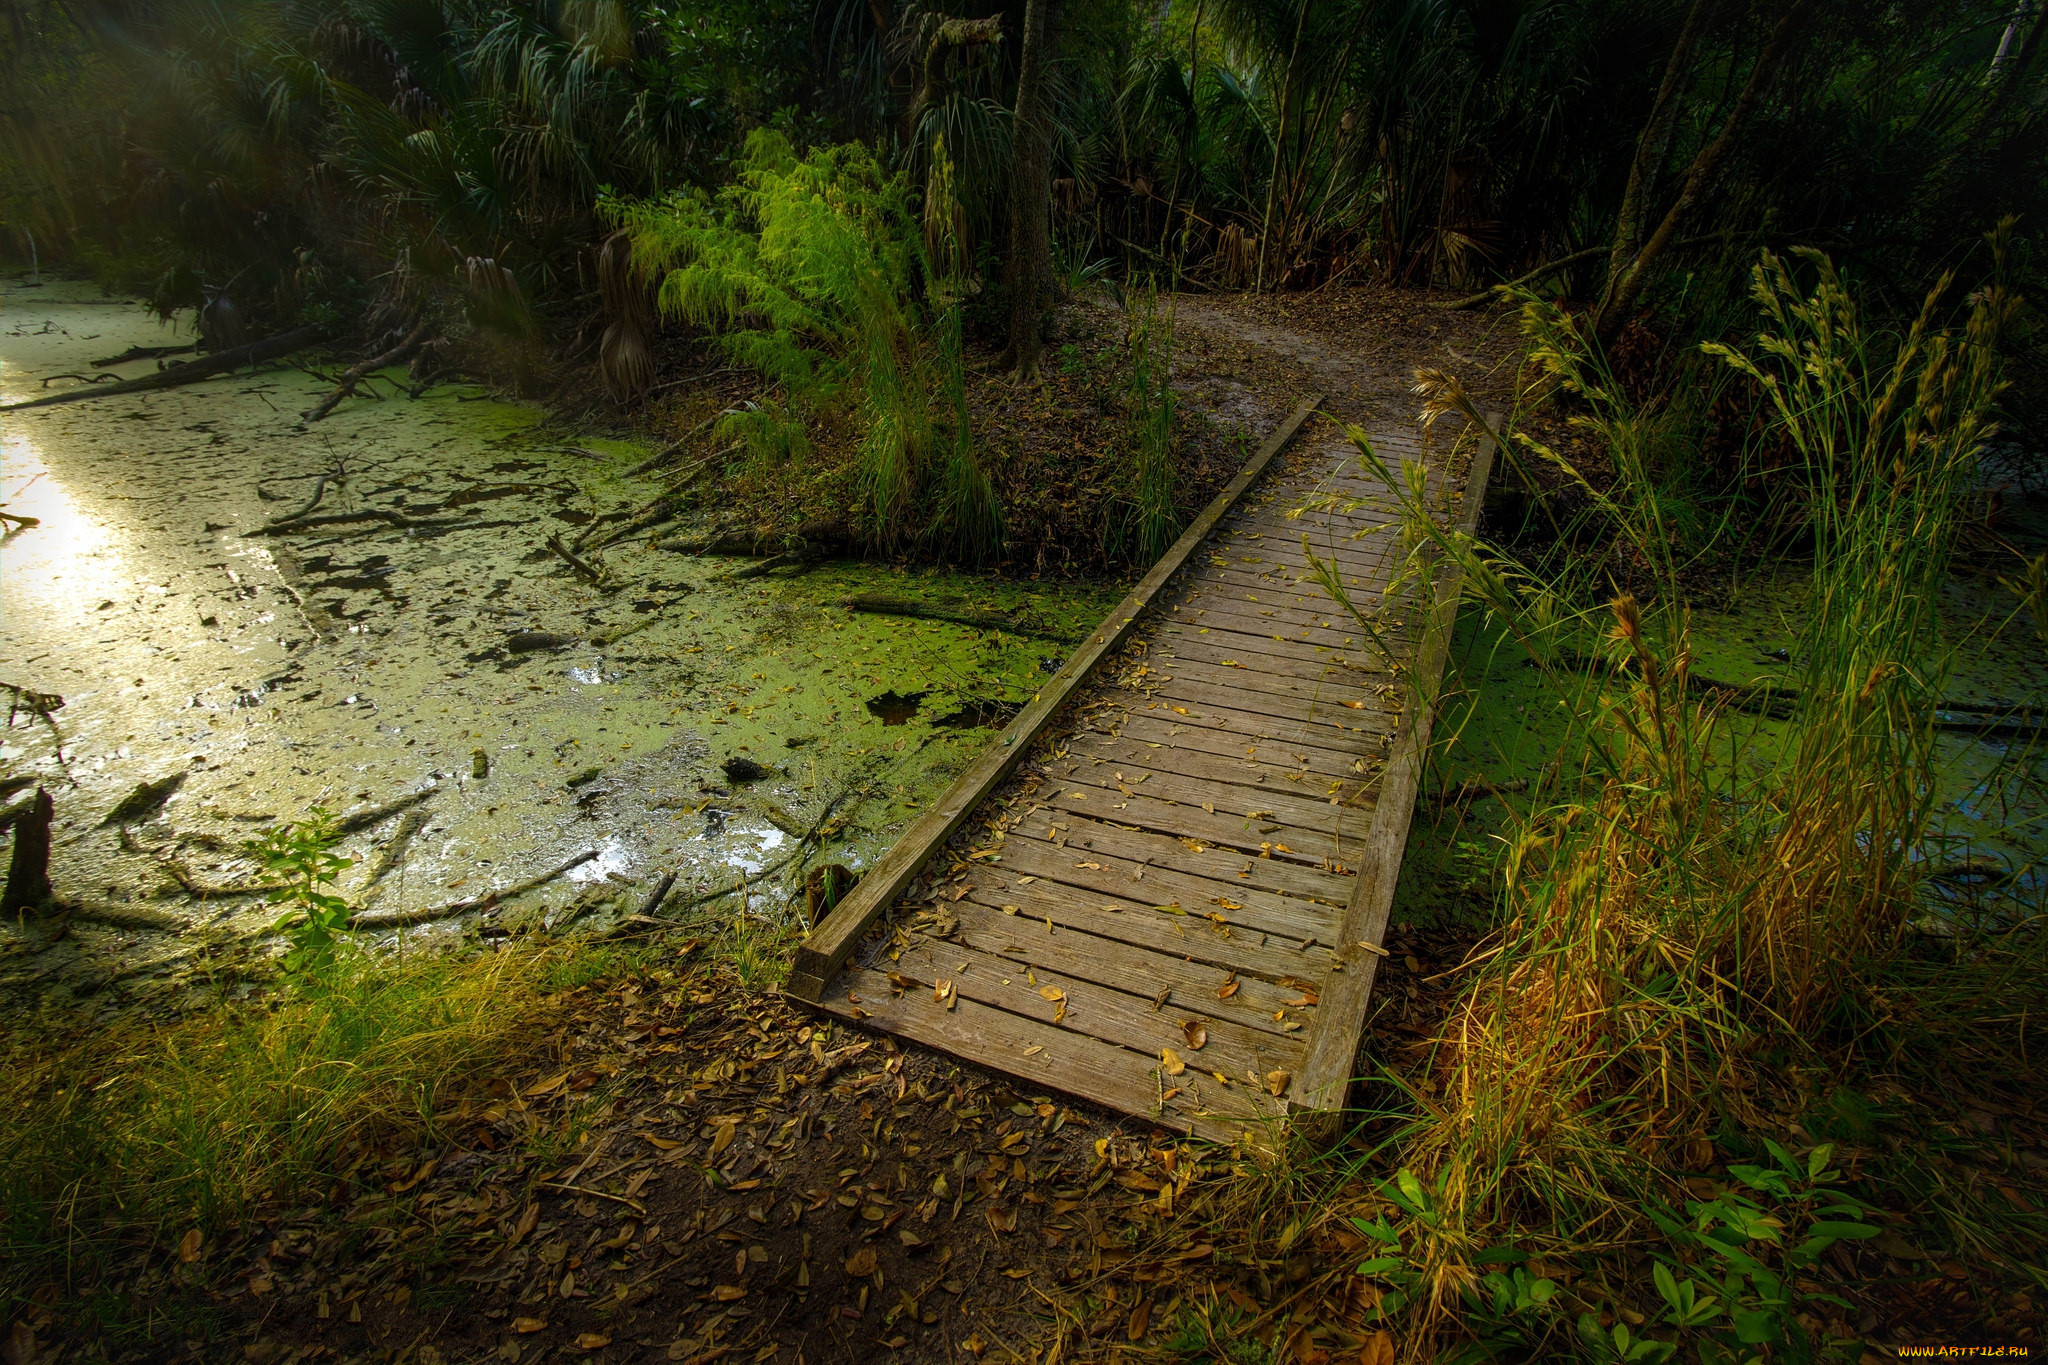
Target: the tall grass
(146, 1134)
(1149, 518)
(1682, 935)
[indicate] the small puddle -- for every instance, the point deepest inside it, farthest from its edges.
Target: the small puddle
(896, 708)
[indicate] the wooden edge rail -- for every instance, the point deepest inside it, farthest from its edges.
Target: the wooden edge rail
(829, 945)
(1327, 1067)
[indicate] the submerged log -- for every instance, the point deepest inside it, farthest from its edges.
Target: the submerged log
(883, 604)
(220, 362)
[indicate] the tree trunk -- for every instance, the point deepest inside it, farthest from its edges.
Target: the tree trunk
(1279, 141)
(1615, 306)
(1030, 263)
(1654, 142)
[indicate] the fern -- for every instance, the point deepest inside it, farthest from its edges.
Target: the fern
(809, 269)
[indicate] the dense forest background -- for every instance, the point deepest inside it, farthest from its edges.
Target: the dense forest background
(265, 163)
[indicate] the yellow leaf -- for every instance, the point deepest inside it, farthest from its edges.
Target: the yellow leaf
(723, 1138)
(1276, 1083)
(1052, 992)
(592, 1341)
(525, 1325)
(547, 1086)
(726, 1293)
(1170, 1062)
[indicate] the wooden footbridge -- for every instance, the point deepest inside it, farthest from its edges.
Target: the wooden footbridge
(1164, 887)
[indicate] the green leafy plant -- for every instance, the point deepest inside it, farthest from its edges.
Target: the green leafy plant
(1755, 1302)
(302, 854)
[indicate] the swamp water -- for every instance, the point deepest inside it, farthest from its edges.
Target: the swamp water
(351, 665)
(1989, 831)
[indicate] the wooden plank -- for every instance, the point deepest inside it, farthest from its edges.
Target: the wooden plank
(832, 942)
(1079, 919)
(1328, 686)
(1110, 960)
(1308, 900)
(1304, 844)
(1229, 787)
(1261, 653)
(1092, 834)
(1330, 724)
(1100, 1072)
(1093, 1007)
(1220, 641)
(1326, 1073)
(1172, 730)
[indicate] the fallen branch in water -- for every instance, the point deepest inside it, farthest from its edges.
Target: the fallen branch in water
(143, 353)
(660, 894)
(412, 824)
(377, 815)
(1989, 720)
(121, 916)
(220, 362)
(405, 350)
(767, 566)
(583, 570)
(198, 890)
(402, 918)
(319, 492)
